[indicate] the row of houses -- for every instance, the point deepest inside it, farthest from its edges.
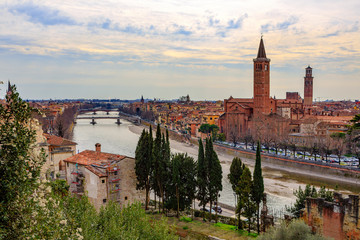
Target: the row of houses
(185, 117)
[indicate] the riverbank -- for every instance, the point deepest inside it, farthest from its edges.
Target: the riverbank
(279, 180)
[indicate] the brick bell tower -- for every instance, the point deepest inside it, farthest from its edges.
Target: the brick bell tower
(261, 82)
(308, 87)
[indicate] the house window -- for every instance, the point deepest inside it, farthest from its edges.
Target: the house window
(104, 200)
(125, 198)
(67, 164)
(115, 173)
(103, 181)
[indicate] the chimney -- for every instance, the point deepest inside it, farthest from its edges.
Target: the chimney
(98, 147)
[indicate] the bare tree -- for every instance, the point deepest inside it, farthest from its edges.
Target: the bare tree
(355, 144)
(284, 142)
(234, 137)
(247, 139)
(64, 122)
(267, 136)
(338, 144)
(312, 145)
(325, 144)
(292, 145)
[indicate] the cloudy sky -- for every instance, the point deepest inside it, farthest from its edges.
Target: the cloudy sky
(166, 48)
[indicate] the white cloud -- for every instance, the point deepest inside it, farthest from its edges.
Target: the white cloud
(199, 35)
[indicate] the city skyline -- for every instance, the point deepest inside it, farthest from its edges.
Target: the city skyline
(167, 49)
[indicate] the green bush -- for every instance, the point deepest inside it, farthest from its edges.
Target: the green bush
(185, 219)
(226, 226)
(296, 230)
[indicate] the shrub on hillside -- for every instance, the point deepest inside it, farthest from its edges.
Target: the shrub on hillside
(295, 230)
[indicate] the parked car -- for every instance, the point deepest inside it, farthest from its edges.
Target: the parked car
(205, 209)
(208, 210)
(219, 210)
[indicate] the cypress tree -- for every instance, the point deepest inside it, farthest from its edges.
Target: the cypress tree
(176, 180)
(167, 161)
(143, 164)
(201, 176)
(236, 170)
(151, 152)
(183, 185)
(214, 173)
(258, 186)
(156, 157)
(246, 205)
(165, 168)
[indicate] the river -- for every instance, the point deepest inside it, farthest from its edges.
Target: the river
(123, 139)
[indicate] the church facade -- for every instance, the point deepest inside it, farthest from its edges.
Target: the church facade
(250, 116)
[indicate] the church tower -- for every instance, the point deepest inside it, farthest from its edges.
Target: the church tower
(308, 87)
(261, 82)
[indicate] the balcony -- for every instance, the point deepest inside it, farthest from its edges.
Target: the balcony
(114, 180)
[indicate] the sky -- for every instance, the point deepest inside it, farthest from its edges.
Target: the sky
(165, 49)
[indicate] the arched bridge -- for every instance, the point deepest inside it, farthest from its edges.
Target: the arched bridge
(121, 115)
(95, 110)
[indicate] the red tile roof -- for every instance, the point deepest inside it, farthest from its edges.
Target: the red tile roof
(89, 157)
(97, 171)
(58, 141)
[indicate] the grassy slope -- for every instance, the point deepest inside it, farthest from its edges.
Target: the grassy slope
(198, 229)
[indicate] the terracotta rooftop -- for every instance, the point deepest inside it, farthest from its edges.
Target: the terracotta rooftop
(58, 141)
(241, 100)
(335, 118)
(89, 157)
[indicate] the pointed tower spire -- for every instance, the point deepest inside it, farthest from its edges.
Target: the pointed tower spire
(261, 52)
(9, 90)
(262, 102)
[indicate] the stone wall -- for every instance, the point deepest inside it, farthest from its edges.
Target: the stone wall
(128, 192)
(338, 219)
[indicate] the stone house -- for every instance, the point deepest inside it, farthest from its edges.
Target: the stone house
(58, 149)
(103, 177)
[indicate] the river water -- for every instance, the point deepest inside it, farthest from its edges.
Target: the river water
(121, 140)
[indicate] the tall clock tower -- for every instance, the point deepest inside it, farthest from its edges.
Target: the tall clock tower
(261, 82)
(308, 87)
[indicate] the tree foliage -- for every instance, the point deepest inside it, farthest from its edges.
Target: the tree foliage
(201, 176)
(246, 205)
(20, 163)
(183, 186)
(258, 187)
(208, 128)
(309, 191)
(214, 172)
(354, 137)
(296, 230)
(143, 164)
(236, 170)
